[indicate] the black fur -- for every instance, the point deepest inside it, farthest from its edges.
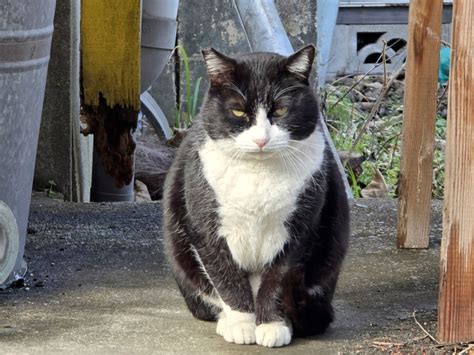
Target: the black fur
(318, 229)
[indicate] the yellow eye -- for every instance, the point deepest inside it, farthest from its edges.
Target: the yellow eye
(238, 113)
(281, 111)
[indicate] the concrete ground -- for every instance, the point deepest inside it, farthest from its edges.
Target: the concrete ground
(98, 283)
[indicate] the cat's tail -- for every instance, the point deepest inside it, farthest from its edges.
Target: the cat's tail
(309, 309)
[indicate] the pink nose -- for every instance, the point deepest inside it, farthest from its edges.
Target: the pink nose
(261, 142)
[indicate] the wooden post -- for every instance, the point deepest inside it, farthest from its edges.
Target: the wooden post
(418, 132)
(110, 81)
(456, 301)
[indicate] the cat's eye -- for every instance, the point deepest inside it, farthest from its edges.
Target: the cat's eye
(238, 113)
(282, 111)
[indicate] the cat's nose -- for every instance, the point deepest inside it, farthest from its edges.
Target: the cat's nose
(261, 142)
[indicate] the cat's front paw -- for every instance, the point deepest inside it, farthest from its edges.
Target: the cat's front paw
(239, 331)
(273, 334)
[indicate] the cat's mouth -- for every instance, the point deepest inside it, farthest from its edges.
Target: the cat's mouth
(246, 150)
(258, 154)
(261, 154)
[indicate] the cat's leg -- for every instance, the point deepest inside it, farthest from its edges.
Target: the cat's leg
(309, 288)
(236, 322)
(197, 290)
(309, 285)
(200, 304)
(273, 327)
(204, 261)
(307, 307)
(314, 313)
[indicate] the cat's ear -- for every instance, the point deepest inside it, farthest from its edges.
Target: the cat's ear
(220, 68)
(300, 62)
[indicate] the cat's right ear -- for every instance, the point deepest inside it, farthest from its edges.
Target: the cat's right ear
(220, 68)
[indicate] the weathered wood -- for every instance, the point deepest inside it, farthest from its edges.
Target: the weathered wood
(456, 302)
(110, 52)
(110, 78)
(418, 132)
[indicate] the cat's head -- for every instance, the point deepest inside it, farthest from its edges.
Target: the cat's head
(259, 103)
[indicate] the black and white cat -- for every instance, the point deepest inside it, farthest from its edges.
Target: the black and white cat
(256, 217)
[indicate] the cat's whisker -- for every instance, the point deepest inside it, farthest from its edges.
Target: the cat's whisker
(292, 162)
(235, 156)
(233, 87)
(303, 164)
(300, 143)
(301, 152)
(283, 160)
(250, 147)
(278, 95)
(287, 159)
(274, 146)
(276, 90)
(297, 160)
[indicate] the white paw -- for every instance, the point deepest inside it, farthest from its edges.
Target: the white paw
(240, 333)
(239, 330)
(273, 334)
(221, 324)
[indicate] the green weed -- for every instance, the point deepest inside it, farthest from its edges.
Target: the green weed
(50, 190)
(185, 115)
(381, 141)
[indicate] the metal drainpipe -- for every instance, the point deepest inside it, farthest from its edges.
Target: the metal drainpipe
(265, 33)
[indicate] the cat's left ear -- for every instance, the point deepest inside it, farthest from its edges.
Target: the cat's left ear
(220, 68)
(300, 62)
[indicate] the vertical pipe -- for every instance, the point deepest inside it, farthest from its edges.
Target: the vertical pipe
(265, 33)
(263, 27)
(326, 19)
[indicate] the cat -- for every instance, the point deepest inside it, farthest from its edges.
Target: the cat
(256, 219)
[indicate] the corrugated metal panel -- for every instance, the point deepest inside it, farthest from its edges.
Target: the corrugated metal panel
(380, 15)
(379, 3)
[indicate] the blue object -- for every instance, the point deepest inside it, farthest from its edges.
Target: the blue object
(326, 21)
(444, 63)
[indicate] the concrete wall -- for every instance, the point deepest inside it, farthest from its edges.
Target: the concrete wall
(63, 154)
(214, 23)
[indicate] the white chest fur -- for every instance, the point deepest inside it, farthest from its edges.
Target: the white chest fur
(255, 197)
